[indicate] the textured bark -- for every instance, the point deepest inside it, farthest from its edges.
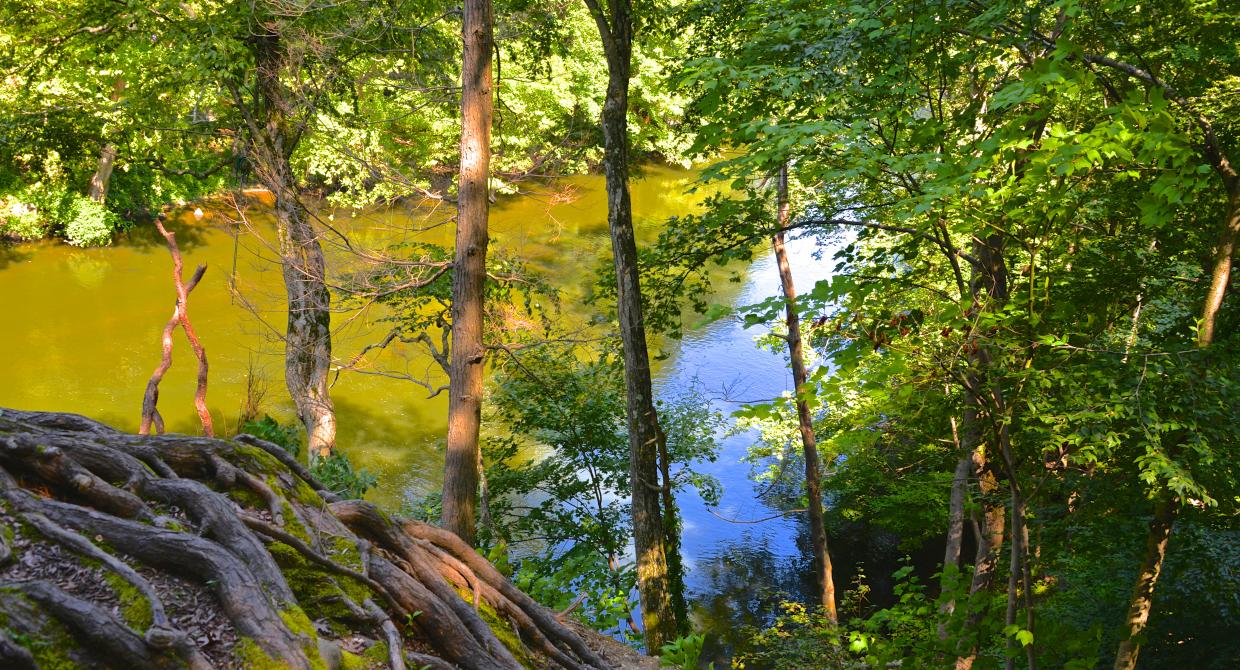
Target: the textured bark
(1220, 275)
(150, 399)
(461, 470)
(1147, 578)
(307, 339)
(955, 530)
(988, 288)
(102, 177)
(615, 25)
(103, 174)
(823, 578)
(415, 571)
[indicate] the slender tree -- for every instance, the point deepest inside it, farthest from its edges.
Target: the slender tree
(615, 27)
(823, 578)
(460, 483)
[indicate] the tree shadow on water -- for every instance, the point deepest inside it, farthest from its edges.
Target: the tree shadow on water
(190, 231)
(395, 441)
(741, 588)
(10, 254)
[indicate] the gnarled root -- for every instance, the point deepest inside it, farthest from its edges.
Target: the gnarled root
(283, 560)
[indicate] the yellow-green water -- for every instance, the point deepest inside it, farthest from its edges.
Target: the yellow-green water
(81, 327)
(80, 333)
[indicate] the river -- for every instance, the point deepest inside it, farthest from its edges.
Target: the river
(81, 333)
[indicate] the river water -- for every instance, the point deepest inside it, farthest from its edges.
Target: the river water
(81, 332)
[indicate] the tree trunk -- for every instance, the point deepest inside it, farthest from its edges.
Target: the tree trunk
(1147, 577)
(307, 340)
(460, 483)
(643, 422)
(103, 174)
(1164, 508)
(1220, 277)
(813, 481)
(988, 287)
(107, 157)
(955, 532)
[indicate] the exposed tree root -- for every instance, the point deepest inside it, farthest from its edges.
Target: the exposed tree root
(296, 573)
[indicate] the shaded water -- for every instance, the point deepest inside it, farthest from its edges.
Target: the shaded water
(81, 330)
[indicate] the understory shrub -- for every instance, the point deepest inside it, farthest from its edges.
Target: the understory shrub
(336, 471)
(38, 210)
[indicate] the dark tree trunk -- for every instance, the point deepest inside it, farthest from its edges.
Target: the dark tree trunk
(658, 619)
(823, 578)
(307, 340)
(955, 530)
(988, 288)
(460, 483)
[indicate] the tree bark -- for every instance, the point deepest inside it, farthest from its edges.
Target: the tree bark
(1220, 277)
(1147, 577)
(307, 340)
(460, 483)
(103, 174)
(102, 177)
(652, 576)
(180, 315)
(988, 287)
(1142, 601)
(823, 578)
(955, 531)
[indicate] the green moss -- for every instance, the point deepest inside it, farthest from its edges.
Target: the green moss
(318, 591)
(350, 661)
(502, 630)
(254, 460)
(298, 623)
(258, 462)
(377, 653)
(246, 498)
(251, 657)
(135, 608)
(45, 637)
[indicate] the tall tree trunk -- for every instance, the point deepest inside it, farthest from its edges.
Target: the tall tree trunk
(823, 578)
(1142, 601)
(460, 483)
(1220, 277)
(307, 339)
(658, 619)
(955, 531)
(988, 288)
